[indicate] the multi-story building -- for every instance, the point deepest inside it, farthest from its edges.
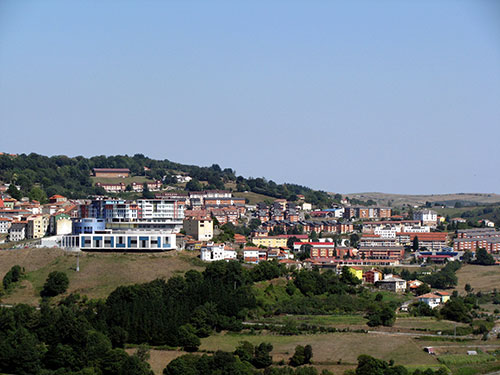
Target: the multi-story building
(120, 241)
(88, 225)
(270, 241)
(111, 172)
(17, 231)
(381, 252)
(426, 217)
(37, 226)
(364, 213)
(431, 240)
(150, 214)
(60, 224)
(5, 224)
(201, 229)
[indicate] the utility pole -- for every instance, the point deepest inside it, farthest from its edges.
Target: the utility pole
(78, 262)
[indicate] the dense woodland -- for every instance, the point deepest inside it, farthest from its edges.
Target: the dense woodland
(41, 176)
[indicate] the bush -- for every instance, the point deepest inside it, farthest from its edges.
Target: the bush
(14, 275)
(57, 283)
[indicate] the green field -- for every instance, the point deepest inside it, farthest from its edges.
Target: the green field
(253, 198)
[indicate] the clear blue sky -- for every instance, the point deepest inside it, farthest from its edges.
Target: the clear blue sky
(345, 96)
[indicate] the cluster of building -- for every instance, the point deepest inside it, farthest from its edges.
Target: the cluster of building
(477, 238)
(26, 219)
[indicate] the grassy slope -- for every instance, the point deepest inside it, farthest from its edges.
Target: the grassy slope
(481, 278)
(99, 273)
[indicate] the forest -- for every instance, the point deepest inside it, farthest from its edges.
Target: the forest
(41, 176)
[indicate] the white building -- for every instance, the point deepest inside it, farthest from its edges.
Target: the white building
(183, 179)
(5, 224)
(306, 206)
(17, 231)
(416, 229)
(392, 283)
(213, 252)
(426, 217)
(385, 232)
(251, 255)
(120, 241)
(430, 299)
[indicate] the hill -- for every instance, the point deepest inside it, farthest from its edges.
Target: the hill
(398, 200)
(41, 176)
(99, 275)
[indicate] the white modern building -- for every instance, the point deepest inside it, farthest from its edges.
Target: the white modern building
(120, 241)
(214, 252)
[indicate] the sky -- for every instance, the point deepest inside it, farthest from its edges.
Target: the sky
(344, 96)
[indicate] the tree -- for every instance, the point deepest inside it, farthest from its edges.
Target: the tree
(468, 288)
(415, 245)
(422, 289)
(37, 194)
(483, 258)
(193, 185)
(244, 351)
(298, 358)
(14, 192)
(56, 283)
(14, 275)
(262, 356)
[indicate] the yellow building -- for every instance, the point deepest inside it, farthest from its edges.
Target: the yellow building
(270, 241)
(445, 296)
(199, 229)
(357, 272)
(37, 226)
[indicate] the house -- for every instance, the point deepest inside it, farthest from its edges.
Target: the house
(356, 272)
(392, 283)
(251, 254)
(414, 284)
(445, 296)
(372, 276)
(111, 172)
(430, 299)
(57, 199)
(112, 188)
(213, 252)
(239, 239)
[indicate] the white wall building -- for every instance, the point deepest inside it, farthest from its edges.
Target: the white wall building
(385, 232)
(120, 241)
(214, 252)
(17, 231)
(5, 223)
(427, 217)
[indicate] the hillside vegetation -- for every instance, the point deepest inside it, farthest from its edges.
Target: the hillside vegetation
(40, 176)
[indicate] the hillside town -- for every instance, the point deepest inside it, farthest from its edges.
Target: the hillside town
(221, 226)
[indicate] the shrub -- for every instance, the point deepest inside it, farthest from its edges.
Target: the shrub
(57, 283)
